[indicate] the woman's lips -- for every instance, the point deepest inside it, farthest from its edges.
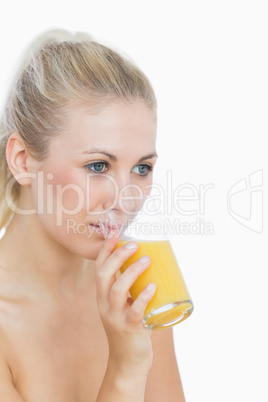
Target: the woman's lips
(106, 228)
(97, 229)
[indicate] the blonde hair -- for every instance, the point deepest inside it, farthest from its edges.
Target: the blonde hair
(61, 69)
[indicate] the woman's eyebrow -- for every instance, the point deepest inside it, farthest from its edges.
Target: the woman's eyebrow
(114, 158)
(100, 151)
(150, 156)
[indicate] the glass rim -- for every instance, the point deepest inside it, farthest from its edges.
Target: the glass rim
(147, 221)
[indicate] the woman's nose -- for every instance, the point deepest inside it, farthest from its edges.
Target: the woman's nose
(124, 196)
(122, 202)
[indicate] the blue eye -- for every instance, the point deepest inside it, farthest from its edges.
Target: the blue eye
(142, 170)
(102, 167)
(97, 167)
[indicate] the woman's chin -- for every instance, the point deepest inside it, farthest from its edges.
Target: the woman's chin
(86, 245)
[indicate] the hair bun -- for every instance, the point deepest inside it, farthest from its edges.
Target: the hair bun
(59, 36)
(45, 38)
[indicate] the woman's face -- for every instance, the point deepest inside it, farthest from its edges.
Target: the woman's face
(101, 158)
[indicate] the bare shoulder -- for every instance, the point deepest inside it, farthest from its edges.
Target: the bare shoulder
(5, 278)
(11, 286)
(162, 338)
(7, 389)
(10, 297)
(164, 351)
(6, 283)
(164, 382)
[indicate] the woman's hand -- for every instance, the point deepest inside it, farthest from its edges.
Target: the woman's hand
(129, 341)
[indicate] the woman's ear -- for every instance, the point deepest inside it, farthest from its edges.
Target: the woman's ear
(17, 157)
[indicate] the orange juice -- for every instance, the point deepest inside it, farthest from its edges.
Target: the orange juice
(171, 303)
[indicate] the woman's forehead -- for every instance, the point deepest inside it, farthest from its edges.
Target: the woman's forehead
(117, 127)
(117, 121)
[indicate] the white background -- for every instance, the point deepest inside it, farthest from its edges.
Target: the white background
(207, 61)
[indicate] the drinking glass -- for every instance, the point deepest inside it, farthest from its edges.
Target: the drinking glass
(140, 220)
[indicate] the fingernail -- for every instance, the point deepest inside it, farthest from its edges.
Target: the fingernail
(151, 286)
(131, 245)
(144, 259)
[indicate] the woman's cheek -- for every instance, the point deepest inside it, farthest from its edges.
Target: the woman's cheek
(100, 190)
(63, 190)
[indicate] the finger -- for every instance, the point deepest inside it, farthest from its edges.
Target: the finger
(105, 277)
(137, 309)
(107, 248)
(120, 289)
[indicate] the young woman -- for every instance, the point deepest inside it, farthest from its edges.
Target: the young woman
(78, 129)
